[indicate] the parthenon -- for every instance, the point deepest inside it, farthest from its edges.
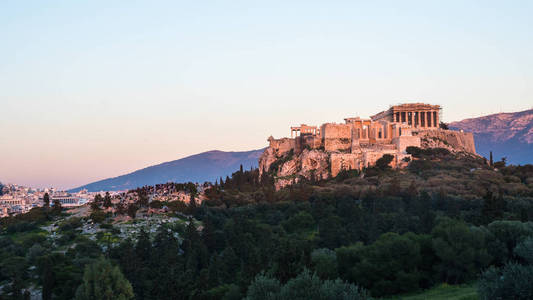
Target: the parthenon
(416, 115)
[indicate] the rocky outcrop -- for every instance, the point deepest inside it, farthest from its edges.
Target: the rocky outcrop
(289, 168)
(455, 141)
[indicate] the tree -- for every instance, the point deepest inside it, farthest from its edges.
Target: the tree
(45, 267)
(132, 210)
(444, 126)
(384, 162)
(143, 199)
(389, 266)
(107, 200)
(501, 164)
(524, 250)
(263, 288)
(305, 286)
(462, 251)
(491, 160)
(98, 200)
(331, 232)
(324, 263)
(513, 281)
(103, 281)
(493, 207)
(15, 268)
(57, 207)
(46, 200)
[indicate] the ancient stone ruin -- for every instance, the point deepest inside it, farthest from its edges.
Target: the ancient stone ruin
(322, 152)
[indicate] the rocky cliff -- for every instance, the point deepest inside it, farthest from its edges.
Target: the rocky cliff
(505, 134)
(289, 166)
(452, 140)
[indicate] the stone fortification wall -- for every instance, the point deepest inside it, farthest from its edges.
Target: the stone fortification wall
(336, 131)
(345, 161)
(449, 139)
(309, 141)
(364, 159)
(402, 142)
(282, 146)
(337, 137)
(370, 157)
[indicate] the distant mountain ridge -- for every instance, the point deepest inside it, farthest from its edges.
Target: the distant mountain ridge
(206, 166)
(507, 135)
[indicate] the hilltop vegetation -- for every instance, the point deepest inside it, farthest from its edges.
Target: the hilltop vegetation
(447, 218)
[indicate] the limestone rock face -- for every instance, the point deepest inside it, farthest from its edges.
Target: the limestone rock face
(452, 140)
(309, 164)
(314, 163)
(266, 159)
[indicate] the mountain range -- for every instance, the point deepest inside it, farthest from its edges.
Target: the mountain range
(206, 166)
(508, 135)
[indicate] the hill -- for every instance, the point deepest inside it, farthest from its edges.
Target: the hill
(206, 166)
(507, 135)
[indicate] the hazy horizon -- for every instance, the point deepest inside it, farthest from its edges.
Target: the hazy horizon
(92, 90)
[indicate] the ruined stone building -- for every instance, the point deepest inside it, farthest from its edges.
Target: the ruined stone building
(358, 143)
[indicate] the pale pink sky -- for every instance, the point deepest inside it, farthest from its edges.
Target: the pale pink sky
(94, 90)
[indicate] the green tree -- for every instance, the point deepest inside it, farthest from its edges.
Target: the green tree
(57, 207)
(493, 207)
(263, 288)
(45, 267)
(388, 266)
(524, 250)
(384, 162)
(16, 269)
(324, 263)
(305, 286)
(462, 251)
(46, 200)
(513, 281)
(510, 234)
(132, 210)
(331, 232)
(107, 200)
(103, 281)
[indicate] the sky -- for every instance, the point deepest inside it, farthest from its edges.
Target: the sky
(96, 89)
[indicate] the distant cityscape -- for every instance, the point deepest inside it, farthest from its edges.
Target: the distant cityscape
(16, 199)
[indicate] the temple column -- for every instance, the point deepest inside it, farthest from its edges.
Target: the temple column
(413, 119)
(437, 121)
(418, 119)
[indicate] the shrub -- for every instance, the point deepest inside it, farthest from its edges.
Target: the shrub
(513, 281)
(524, 250)
(462, 251)
(103, 281)
(324, 262)
(384, 162)
(305, 286)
